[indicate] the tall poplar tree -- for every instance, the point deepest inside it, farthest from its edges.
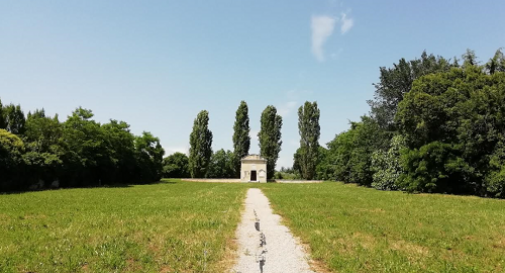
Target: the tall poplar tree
(308, 126)
(270, 138)
(200, 149)
(241, 138)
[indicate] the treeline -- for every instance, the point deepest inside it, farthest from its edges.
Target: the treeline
(221, 165)
(38, 151)
(435, 125)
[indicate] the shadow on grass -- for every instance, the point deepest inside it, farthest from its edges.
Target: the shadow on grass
(119, 185)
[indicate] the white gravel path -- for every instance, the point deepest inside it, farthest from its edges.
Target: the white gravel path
(266, 246)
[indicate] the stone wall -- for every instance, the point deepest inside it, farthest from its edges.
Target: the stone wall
(297, 181)
(232, 180)
(213, 180)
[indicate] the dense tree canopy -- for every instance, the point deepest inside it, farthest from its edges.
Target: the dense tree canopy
(270, 138)
(221, 165)
(40, 151)
(350, 152)
(434, 126)
(11, 162)
(396, 81)
(176, 166)
(454, 125)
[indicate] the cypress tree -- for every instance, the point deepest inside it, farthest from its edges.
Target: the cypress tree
(241, 138)
(270, 138)
(200, 149)
(308, 126)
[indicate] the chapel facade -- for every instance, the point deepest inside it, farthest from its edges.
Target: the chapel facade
(253, 168)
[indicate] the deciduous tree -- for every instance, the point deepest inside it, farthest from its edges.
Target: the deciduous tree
(176, 166)
(221, 165)
(14, 119)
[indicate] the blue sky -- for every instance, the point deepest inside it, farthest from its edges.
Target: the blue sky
(156, 64)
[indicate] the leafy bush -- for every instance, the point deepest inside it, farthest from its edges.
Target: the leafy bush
(387, 167)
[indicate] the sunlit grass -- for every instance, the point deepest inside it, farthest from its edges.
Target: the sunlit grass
(165, 227)
(355, 229)
(189, 227)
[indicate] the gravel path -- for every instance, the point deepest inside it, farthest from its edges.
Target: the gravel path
(266, 246)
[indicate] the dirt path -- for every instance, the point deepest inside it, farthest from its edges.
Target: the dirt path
(266, 246)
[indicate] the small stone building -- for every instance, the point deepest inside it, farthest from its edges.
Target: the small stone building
(253, 168)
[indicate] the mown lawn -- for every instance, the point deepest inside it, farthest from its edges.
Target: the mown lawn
(165, 227)
(355, 229)
(188, 227)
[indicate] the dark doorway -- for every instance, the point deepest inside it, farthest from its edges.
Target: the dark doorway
(253, 175)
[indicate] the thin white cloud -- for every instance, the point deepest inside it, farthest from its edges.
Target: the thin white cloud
(287, 108)
(322, 28)
(347, 23)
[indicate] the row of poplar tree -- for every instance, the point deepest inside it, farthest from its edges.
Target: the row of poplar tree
(39, 151)
(204, 163)
(435, 125)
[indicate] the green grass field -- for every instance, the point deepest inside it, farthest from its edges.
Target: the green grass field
(166, 227)
(188, 227)
(355, 229)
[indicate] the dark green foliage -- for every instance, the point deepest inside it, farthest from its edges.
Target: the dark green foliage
(270, 138)
(200, 149)
(454, 124)
(85, 147)
(448, 124)
(495, 179)
(395, 82)
(149, 155)
(221, 165)
(46, 149)
(350, 152)
(241, 138)
(324, 168)
(308, 127)
(11, 166)
(77, 152)
(176, 166)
